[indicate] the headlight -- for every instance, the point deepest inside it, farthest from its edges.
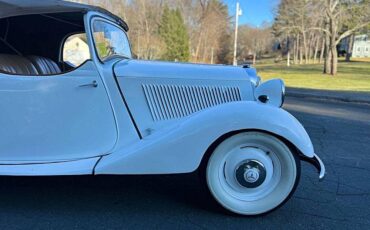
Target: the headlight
(271, 92)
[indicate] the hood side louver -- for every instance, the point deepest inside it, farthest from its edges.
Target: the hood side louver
(176, 101)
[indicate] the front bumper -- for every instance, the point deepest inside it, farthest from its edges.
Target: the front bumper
(317, 162)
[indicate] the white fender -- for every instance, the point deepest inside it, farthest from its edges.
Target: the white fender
(180, 149)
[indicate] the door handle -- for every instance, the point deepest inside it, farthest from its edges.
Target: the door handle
(92, 84)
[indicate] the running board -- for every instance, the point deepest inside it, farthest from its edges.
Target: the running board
(66, 168)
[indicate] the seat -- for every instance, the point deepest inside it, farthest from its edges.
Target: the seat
(45, 66)
(30, 66)
(14, 64)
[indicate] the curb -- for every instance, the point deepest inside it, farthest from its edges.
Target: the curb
(354, 97)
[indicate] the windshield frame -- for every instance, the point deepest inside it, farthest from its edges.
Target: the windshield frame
(93, 20)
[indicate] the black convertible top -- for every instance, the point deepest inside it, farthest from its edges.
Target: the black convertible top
(10, 8)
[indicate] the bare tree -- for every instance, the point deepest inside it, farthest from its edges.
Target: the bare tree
(254, 42)
(311, 21)
(296, 19)
(343, 18)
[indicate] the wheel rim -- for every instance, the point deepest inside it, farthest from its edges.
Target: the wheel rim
(235, 159)
(272, 173)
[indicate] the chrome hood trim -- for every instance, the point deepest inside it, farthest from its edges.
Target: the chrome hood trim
(176, 70)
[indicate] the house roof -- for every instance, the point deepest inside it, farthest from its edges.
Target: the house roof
(10, 8)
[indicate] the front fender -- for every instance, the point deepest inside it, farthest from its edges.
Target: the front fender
(181, 148)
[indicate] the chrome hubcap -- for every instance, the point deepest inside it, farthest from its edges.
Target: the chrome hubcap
(250, 174)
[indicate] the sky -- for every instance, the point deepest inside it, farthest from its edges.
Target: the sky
(255, 12)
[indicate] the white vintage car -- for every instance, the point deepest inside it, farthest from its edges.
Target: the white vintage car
(73, 101)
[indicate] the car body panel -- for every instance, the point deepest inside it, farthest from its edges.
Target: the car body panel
(160, 94)
(126, 130)
(55, 118)
(66, 168)
(178, 70)
(180, 148)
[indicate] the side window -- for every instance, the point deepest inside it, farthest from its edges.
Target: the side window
(76, 50)
(110, 40)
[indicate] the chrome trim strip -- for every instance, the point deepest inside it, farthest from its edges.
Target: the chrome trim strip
(322, 170)
(282, 93)
(317, 163)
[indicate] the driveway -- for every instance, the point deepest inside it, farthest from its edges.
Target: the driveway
(341, 136)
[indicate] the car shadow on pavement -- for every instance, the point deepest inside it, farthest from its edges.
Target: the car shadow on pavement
(114, 193)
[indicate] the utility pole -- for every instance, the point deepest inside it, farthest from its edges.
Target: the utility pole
(238, 13)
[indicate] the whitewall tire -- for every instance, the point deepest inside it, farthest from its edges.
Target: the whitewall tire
(252, 173)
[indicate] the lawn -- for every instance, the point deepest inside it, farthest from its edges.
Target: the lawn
(352, 76)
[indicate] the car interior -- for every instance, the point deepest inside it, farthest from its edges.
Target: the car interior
(32, 45)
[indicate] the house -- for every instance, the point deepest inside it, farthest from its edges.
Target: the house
(361, 46)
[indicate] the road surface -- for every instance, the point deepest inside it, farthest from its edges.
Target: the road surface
(341, 136)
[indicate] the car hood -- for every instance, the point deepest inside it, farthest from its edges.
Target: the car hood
(162, 94)
(157, 69)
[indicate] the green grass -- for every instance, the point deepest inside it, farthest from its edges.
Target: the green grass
(352, 76)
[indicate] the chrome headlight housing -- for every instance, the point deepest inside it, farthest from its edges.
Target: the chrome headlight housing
(271, 92)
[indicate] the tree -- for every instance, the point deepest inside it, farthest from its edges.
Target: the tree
(310, 22)
(174, 34)
(295, 24)
(208, 26)
(254, 42)
(225, 51)
(343, 18)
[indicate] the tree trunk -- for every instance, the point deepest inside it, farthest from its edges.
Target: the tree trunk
(328, 56)
(322, 50)
(349, 48)
(312, 40)
(197, 49)
(294, 51)
(327, 64)
(333, 48)
(317, 43)
(334, 60)
(138, 46)
(288, 52)
(301, 55)
(328, 44)
(305, 49)
(254, 58)
(298, 48)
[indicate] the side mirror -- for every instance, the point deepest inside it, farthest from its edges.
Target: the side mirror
(271, 92)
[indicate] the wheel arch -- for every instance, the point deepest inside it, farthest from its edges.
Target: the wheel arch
(199, 134)
(203, 164)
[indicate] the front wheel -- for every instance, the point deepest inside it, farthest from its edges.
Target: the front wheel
(252, 173)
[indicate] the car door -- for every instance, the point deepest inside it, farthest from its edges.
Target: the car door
(55, 118)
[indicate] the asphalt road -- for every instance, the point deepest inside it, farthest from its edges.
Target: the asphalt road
(341, 135)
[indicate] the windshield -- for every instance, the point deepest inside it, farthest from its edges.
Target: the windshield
(110, 40)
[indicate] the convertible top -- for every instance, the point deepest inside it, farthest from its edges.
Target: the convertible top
(10, 8)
